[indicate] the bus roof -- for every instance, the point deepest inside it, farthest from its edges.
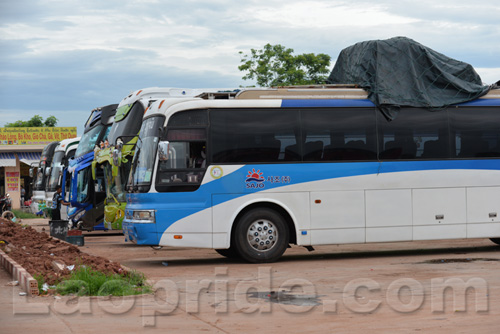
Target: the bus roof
(67, 144)
(289, 97)
(166, 92)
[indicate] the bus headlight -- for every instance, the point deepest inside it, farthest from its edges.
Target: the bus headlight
(77, 217)
(143, 216)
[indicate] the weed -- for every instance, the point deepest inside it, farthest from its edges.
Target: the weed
(41, 280)
(85, 281)
(23, 214)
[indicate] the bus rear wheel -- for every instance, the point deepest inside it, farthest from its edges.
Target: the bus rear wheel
(496, 240)
(261, 236)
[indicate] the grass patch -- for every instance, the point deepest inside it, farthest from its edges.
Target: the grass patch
(39, 278)
(85, 281)
(24, 215)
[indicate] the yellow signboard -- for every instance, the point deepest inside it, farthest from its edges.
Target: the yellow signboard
(12, 181)
(35, 136)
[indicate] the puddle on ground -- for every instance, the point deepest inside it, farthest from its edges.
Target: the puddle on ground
(287, 298)
(459, 260)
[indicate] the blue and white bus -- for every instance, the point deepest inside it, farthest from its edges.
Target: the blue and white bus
(86, 194)
(250, 175)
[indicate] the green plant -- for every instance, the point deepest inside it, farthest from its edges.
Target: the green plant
(23, 215)
(41, 281)
(85, 281)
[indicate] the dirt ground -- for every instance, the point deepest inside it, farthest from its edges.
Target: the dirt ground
(408, 287)
(40, 254)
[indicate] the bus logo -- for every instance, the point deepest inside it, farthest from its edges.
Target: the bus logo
(255, 176)
(255, 179)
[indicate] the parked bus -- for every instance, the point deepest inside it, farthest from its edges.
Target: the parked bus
(312, 166)
(87, 195)
(63, 152)
(122, 138)
(37, 205)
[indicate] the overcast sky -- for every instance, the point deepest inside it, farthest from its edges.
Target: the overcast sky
(66, 57)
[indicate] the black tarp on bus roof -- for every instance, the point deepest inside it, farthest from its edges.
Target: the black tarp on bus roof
(401, 72)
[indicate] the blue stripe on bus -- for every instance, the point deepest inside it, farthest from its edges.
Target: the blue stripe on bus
(234, 185)
(482, 103)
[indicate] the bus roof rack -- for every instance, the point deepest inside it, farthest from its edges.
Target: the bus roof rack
(305, 92)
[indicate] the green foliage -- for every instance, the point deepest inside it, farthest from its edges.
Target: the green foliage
(50, 121)
(41, 280)
(85, 281)
(23, 215)
(35, 121)
(276, 65)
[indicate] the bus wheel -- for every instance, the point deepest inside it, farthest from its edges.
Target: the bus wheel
(261, 235)
(230, 253)
(496, 240)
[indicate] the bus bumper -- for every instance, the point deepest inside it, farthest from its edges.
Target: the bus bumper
(140, 234)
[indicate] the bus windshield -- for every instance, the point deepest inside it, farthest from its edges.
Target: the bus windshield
(38, 184)
(82, 186)
(56, 171)
(128, 120)
(115, 186)
(88, 141)
(144, 158)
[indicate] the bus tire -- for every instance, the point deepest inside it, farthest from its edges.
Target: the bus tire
(261, 235)
(230, 253)
(496, 240)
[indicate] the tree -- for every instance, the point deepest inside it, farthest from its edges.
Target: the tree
(276, 65)
(35, 121)
(50, 121)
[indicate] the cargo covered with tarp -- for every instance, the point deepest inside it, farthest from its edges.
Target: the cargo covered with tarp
(401, 72)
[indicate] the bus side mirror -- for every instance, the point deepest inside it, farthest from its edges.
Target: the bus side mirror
(163, 147)
(31, 172)
(47, 171)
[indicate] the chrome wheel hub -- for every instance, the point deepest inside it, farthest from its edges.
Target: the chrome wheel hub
(262, 235)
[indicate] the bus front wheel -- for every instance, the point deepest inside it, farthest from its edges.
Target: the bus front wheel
(496, 240)
(261, 236)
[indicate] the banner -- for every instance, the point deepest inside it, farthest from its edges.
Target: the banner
(35, 136)
(12, 181)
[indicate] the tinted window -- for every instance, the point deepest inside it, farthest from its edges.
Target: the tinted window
(129, 125)
(339, 134)
(254, 135)
(186, 164)
(476, 132)
(414, 134)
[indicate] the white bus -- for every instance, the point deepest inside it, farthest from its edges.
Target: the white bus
(312, 166)
(63, 152)
(38, 199)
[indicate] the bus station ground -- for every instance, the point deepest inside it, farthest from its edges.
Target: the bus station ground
(437, 286)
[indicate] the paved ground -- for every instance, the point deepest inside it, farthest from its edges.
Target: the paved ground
(431, 287)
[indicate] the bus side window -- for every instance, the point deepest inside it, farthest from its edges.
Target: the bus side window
(253, 135)
(477, 132)
(415, 134)
(339, 134)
